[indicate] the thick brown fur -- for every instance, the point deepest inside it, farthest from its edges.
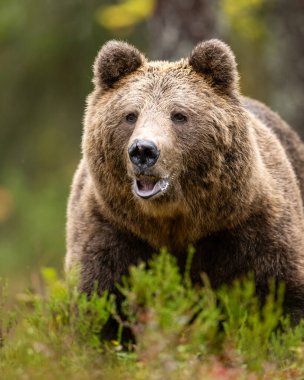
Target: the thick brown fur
(235, 172)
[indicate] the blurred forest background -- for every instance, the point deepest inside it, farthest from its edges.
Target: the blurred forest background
(47, 50)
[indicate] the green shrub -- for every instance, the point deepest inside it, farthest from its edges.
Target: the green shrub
(181, 331)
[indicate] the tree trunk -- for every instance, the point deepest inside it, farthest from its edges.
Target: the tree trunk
(177, 25)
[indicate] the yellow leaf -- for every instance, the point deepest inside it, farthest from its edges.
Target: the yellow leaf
(125, 14)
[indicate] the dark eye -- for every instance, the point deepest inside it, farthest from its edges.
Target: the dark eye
(178, 117)
(131, 118)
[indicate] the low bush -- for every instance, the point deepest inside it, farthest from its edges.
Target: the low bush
(181, 331)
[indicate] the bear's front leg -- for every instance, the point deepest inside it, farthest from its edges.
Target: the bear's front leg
(102, 252)
(107, 254)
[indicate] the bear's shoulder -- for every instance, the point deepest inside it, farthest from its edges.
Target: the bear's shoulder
(288, 138)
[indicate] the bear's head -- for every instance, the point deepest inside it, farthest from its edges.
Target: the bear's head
(165, 139)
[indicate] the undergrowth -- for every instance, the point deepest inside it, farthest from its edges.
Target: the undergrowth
(181, 331)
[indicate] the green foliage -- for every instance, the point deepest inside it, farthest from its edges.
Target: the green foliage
(244, 17)
(181, 332)
(59, 328)
(69, 313)
(251, 327)
(163, 308)
(7, 318)
(34, 232)
(45, 84)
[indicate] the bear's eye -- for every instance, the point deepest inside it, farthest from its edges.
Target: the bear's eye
(131, 118)
(178, 117)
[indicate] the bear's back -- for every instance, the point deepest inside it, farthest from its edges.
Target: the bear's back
(289, 139)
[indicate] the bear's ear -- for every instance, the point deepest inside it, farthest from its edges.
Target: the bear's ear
(216, 62)
(115, 60)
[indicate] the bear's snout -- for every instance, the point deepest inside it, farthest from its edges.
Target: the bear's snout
(143, 153)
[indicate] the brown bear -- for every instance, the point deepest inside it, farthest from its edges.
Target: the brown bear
(173, 155)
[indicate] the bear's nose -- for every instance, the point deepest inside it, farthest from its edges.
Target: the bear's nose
(143, 153)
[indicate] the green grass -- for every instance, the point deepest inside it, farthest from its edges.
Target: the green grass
(181, 332)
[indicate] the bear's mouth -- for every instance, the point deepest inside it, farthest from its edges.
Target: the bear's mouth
(148, 187)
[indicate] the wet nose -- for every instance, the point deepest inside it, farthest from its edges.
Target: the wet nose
(143, 153)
